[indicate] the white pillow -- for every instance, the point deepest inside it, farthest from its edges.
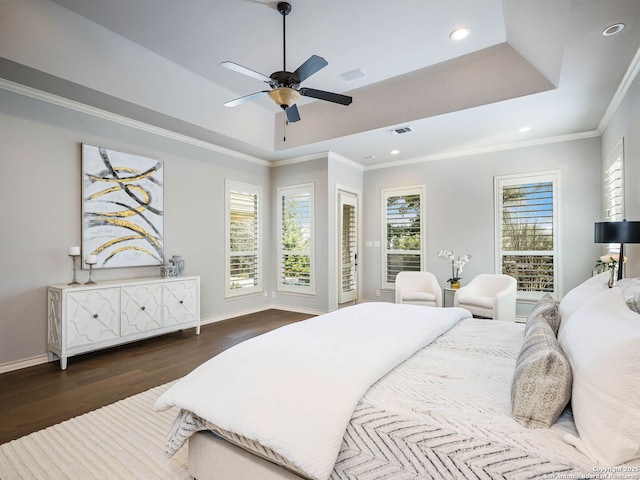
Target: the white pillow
(602, 343)
(575, 298)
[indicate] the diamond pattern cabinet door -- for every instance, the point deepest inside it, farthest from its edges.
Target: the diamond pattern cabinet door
(141, 308)
(54, 318)
(181, 302)
(92, 316)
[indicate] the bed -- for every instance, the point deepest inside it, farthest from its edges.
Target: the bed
(441, 408)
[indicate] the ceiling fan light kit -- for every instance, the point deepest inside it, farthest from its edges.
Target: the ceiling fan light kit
(285, 86)
(285, 97)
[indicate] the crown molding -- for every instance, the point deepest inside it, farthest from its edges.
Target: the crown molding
(623, 88)
(122, 120)
(488, 149)
(346, 161)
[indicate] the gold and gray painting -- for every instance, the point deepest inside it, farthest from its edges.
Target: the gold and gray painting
(122, 208)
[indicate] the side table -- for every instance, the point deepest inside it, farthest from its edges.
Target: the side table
(447, 296)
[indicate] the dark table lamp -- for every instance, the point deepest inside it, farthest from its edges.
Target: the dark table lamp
(617, 232)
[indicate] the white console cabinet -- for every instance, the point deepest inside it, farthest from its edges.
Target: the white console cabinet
(83, 318)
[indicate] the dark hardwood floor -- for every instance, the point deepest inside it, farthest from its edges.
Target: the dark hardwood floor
(37, 397)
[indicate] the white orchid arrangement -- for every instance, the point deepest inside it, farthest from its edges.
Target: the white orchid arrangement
(457, 264)
(609, 261)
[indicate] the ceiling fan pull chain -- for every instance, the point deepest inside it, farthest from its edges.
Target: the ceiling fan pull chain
(284, 128)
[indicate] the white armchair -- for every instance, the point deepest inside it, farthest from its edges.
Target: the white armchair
(489, 296)
(418, 288)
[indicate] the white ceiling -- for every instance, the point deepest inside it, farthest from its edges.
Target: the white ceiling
(538, 63)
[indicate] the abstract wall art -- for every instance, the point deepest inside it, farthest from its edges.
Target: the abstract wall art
(122, 208)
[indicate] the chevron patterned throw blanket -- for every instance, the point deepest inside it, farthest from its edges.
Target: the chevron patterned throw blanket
(293, 390)
(446, 414)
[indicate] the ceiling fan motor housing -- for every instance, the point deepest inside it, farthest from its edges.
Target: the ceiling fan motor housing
(284, 79)
(284, 8)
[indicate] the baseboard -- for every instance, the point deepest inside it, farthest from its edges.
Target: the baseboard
(40, 359)
(228, 316)
(24, 363)
(288, 308)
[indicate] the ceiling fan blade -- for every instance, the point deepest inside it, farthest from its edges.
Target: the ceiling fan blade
(328, 96)
(292, 113)
(245, 71)
(246, 98)
(308, 68)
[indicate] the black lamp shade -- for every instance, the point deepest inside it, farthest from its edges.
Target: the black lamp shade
(617, 232)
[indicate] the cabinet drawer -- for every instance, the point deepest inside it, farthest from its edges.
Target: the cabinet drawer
(141, 308)
(92, 316)
(181, 302)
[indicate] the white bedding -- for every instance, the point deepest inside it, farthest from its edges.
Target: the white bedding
(294, 389)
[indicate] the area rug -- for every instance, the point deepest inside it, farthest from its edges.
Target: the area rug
(124, 440)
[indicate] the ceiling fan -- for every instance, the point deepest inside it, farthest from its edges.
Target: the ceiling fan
(285, 86)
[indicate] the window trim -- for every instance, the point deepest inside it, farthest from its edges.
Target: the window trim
(385, 193)
(555, 177)
(247, 188)
(303, 188)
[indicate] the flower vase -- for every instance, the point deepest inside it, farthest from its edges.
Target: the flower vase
(455, 285)
(612, 279)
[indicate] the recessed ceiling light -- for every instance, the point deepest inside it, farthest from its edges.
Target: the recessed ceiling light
(524, 129)
(459, 34)
(612, 29)
(394, 152)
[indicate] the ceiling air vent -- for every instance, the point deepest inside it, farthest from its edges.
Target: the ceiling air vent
(400, 130)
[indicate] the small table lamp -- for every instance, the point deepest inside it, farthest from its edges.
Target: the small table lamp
(617, 232)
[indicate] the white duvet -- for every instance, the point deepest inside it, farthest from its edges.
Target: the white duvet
(294, 389)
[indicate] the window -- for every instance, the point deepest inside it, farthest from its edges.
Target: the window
(613, 188)
(613, 191)
(296, 231)
(402, 227)
(243, 255)
(527, 231)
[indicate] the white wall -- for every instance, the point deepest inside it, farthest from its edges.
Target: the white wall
(460, 211)
(40, 192)
(346, 175)
(316, 172)
(626, 124)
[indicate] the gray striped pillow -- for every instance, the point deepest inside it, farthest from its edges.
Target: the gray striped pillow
(541, 386)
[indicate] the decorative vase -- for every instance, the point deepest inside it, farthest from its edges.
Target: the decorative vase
(168, 271)
(178, 262)
(455, 285)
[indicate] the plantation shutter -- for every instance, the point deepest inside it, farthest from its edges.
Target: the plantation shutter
(613, 193)
(613, 187)
(613, 190)
(348, 247)
(403, 233)
(243, 242)
(527, 231)
(296, 237)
